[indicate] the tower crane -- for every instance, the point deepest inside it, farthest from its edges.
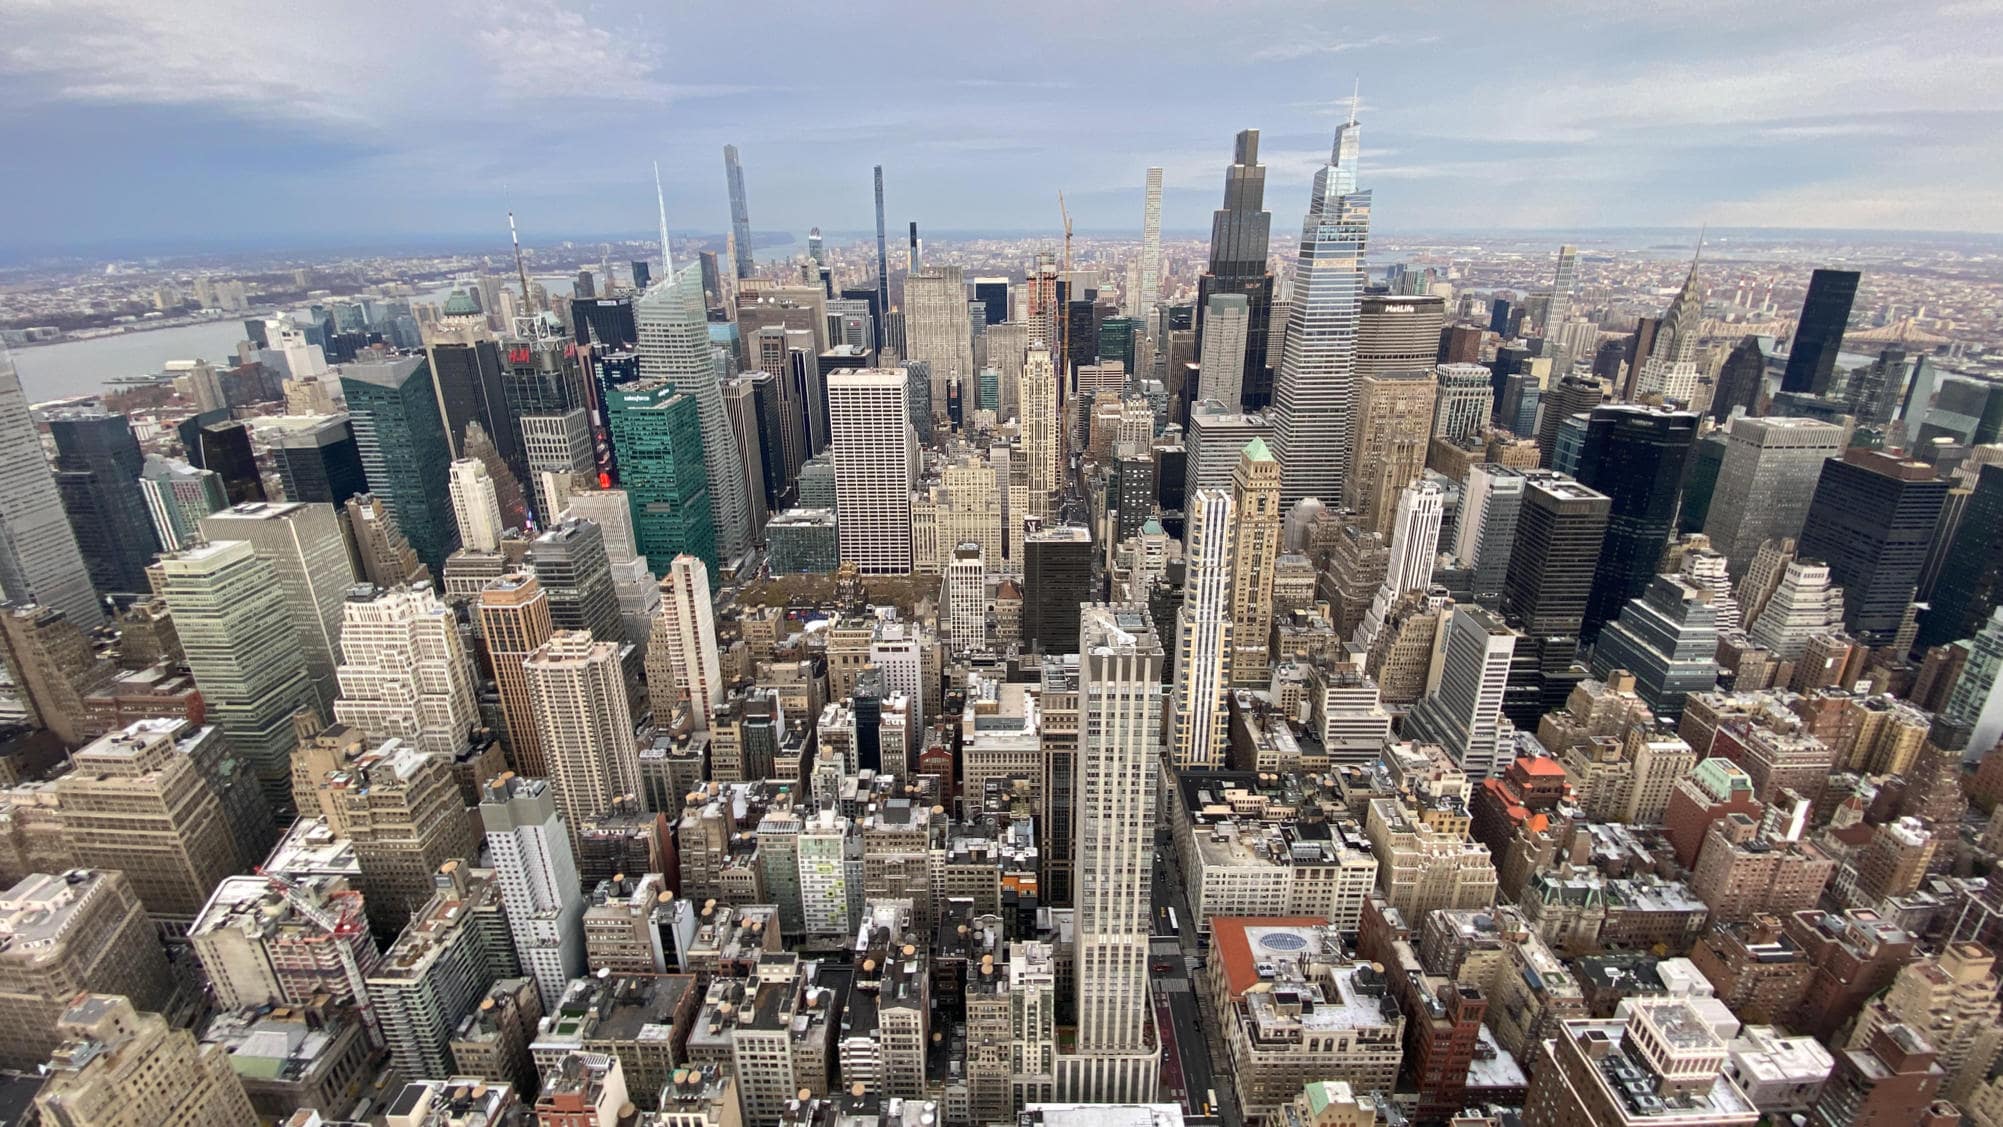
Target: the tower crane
(339, 931)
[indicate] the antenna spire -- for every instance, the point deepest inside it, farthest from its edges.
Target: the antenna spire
(667, 259)
(1355, 94)
(521, 272)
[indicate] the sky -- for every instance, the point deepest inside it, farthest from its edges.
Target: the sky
(240, 123)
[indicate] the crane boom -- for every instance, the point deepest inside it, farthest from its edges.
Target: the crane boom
(337, 932)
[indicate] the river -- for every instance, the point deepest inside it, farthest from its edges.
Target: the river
(80, 367)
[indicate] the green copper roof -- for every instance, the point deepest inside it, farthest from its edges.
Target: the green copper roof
(1256, 450)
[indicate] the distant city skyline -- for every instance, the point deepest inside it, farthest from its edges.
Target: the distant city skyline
(199, 122)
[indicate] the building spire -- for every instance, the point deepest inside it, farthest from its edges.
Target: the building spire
(521, 272)
(1355, 94)
(667, 259)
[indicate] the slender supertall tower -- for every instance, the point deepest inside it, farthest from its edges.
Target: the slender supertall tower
(882, 264)
(1255, 547)
(740, 215)
(1561, 290)
(1041, 447)
(39, 558)
(1119, 690)
(911, 261)
(1204, 636)
(1144, 302)
(1315, 392)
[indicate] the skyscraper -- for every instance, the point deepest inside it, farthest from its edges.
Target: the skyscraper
(320, 461)
(1240, 233)
(1872, 519)
(1205, 644)
(514, 622)
(558, 454)
(1669, 369)
(529, 847)
(1636, 456)
(39, 558)
(1559, 532)
(1818, 334)
(674, 346)
(404, 673)
(1397, 333)
(1463, 714)
(1971, 575)
(1668, 639)
(1466, 401)
(1042, 445)
(1255, 547)
(240, 641)
(1221, 363)
(1765, 483)
(740, 213)
(936, 328)
(1394, 423)
(475, 506)
(1742, 379)
(118, 1067)
(177, 496)
(1150, 291)
(1117, 1058)
(882, 264)
(1315, 392)
(657, 433)
(98, 463)
(577, 692)
(305, 548)
(466, 379)
(1057, 578)
(1561, 291)
(875, 456)
(406, 455)
(682, 662)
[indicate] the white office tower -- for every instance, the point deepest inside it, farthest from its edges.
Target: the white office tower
(1218, 432)
(1765, 483)
(557, 450)
(1669, 371)
(682, 660)
(964, 595)
(39, 558)
(1706, 570)
(876, 463)
(632, 580)
(1203, 637)
(1150, 288)
(1221, 367)
(237, 639)
(1042, 436)
(829, 852)
(1464, 712)
(1805, 604)
(577, 691)
(404, 672)
(674, 346)
(1466, 400)
(475, 506)
(1561, 295)
(1314, 393)
(1976, 702)
(1117, 1058)
(1415, 544)
(936, 328)
(1491, 501)
(305, 547)
(529, 849)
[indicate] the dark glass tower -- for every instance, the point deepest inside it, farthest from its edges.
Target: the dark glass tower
(1971, 578)
(1637, 456)
(467, 379)
(1742, 378)
(320, 463)
(1056, 578)
(1871, 519)
(405, 454)
(992, 293)
(1560, 528)
(1825, 312)
(1240, 236)
(98, 462)
(606, 322)
(226, 449)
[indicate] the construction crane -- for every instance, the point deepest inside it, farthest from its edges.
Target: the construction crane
(340, 931)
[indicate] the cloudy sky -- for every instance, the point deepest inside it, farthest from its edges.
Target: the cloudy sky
(258, 122)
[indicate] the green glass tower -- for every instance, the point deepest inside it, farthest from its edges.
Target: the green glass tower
(657, 436)
(406, 455)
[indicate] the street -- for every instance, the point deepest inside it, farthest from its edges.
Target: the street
(1180, 1009)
